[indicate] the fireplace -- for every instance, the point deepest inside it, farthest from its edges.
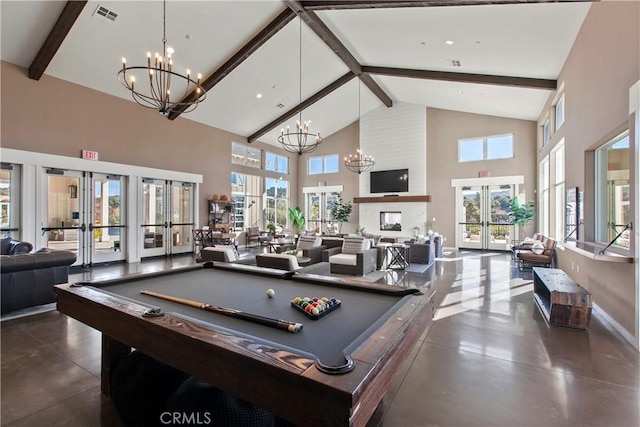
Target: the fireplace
(391, 221)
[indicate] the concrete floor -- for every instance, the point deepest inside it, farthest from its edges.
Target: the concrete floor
(489, 359)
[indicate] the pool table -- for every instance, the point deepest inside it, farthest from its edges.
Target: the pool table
(375, 328)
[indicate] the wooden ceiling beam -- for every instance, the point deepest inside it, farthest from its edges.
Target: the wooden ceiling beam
(386, 4)
(330, 39)
(239, 57)
(55, 38)
(304, 104)
(521, 82)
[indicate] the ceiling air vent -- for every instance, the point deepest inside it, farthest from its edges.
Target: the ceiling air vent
(105, 14)
(454, 62)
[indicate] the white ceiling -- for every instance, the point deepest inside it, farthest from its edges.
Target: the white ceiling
(520, 40)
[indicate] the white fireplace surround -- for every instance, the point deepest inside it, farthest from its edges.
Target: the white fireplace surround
(389, 134)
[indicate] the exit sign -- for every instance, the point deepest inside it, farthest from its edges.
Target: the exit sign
(89, 155)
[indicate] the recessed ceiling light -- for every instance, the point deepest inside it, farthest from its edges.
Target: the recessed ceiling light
(170, 50)
(423, 43)
(259, 96)
(188, 36)
(449, 42)
(460, 91)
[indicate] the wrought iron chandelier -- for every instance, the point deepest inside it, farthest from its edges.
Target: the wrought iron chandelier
(157, 94)
(359, 162)
(302, 140)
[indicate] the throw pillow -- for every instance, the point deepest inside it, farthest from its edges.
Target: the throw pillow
(352, 245)
(537, 248)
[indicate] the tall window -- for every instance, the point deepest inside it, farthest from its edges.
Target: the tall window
(276, 163)
(246, 191)
(559, 205)
(543, 211)
(277, 201)
(560, 112)
(612, 191)
(324, 164)
(10, 200)
(546, 133)
(244, 155)
(486, 148)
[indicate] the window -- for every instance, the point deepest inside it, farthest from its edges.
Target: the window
(487, 148)
(543, 210)
(546, 134)
(277, 201)
(324, 164)
(246, 192)
(244, 155)
(559, 206)
(612, 191)
(10, 200)
(560, 112)
(275, 163)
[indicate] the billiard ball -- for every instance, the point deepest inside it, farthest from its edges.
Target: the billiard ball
(315, 311)
(270, 293)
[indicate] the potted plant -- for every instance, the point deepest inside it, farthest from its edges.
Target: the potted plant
(297, 219)
(340, 211)
(272, 229)
(519, 214)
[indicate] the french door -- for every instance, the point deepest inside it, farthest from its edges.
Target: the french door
(318, 212)
(83, 213)
(483, 221)
(167, 217)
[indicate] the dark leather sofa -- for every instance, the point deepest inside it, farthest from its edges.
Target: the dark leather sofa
(27, 278)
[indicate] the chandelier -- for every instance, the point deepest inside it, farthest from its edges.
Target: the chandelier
(302, 140)
(359, 162)
(157, 93)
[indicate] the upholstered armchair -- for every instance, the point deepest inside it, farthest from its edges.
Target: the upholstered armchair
(278, 261)
(421, 252)
(356, 257)
(308, 246)
(540, 255)
(255, 235)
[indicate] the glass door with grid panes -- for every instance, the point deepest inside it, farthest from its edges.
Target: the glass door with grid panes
(10, 200)
(318, 212)
(483, 220)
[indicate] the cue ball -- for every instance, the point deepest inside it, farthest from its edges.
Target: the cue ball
(270, 293)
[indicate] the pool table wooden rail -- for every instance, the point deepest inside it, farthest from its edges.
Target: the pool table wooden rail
(293, 388)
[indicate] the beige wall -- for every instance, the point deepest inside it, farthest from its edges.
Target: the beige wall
(601, 67)
(57, 117)
(444, 129)
(343, 143)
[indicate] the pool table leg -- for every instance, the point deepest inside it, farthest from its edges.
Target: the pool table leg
(112, 352)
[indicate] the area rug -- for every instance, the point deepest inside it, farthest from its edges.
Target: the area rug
(418, 268)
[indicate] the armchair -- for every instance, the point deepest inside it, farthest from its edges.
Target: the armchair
(422, 253)
(356, 257)
(542, 257)
(309, 246)
(255, 235)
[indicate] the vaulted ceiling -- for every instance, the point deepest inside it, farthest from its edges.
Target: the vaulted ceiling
(489, 57)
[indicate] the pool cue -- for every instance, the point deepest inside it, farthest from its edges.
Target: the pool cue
(267, 321)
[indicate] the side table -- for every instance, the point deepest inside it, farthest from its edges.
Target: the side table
(398, 256)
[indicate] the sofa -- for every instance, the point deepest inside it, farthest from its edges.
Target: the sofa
(28, 278)
(308, 246)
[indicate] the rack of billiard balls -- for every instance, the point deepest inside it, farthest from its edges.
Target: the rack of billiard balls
(315, 307)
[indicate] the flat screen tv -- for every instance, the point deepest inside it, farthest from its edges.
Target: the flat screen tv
(391, 181)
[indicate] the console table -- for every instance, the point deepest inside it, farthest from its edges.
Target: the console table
(561, 301)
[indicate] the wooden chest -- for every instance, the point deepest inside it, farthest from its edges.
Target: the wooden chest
(561, 301)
